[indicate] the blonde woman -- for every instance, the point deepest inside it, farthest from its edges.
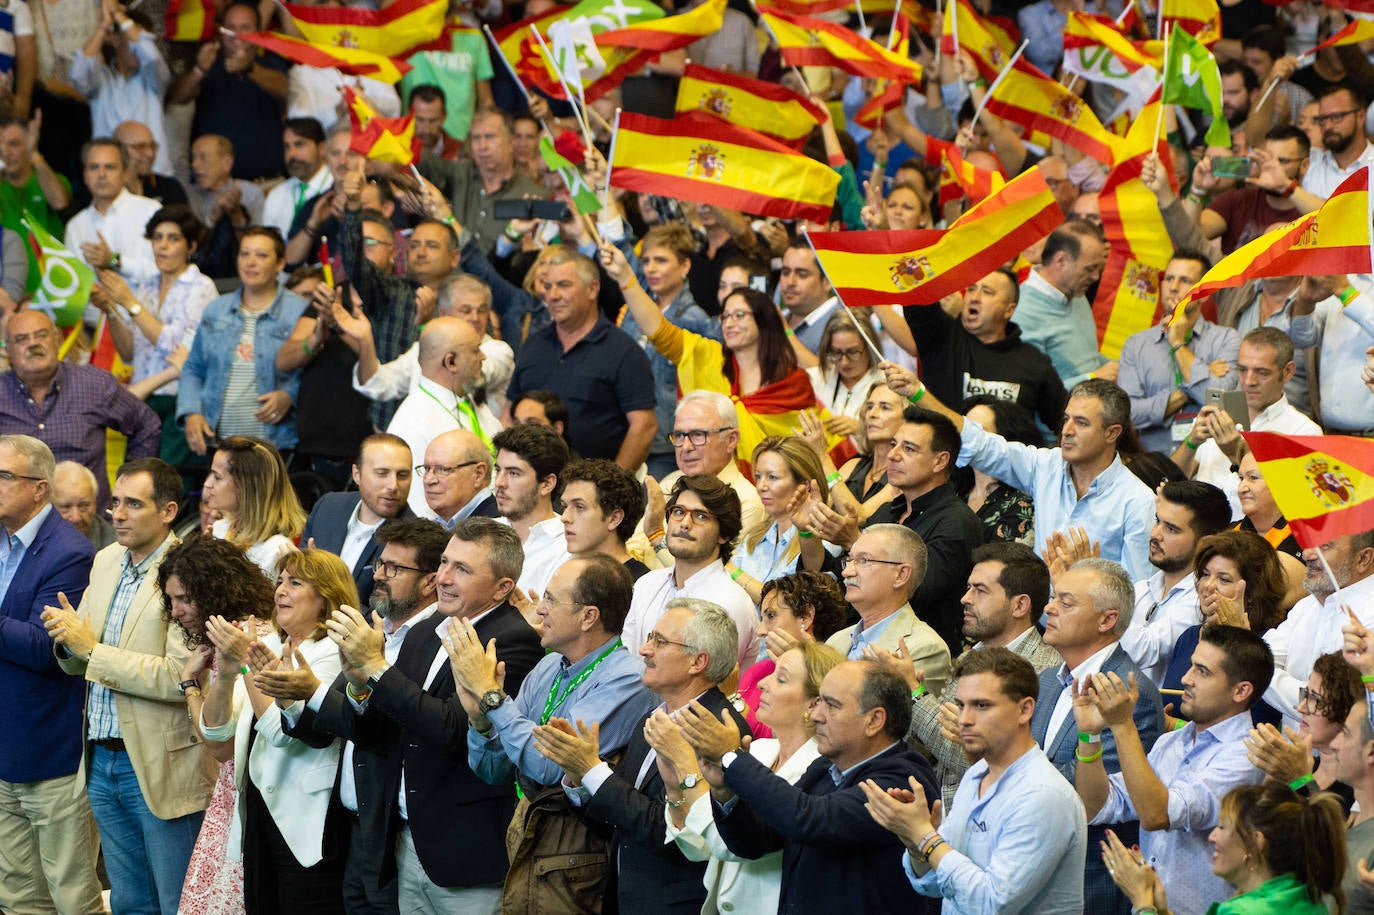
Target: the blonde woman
(260, 513)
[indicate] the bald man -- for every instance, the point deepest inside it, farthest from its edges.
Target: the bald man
(455, 482)
(74, 491)
(450, 369)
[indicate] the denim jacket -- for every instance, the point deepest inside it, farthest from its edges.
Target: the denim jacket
(205, 377)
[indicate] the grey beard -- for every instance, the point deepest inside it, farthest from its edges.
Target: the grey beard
(392, 610)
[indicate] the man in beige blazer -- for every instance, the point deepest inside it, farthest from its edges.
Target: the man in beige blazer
(147, 779)
(882, 570)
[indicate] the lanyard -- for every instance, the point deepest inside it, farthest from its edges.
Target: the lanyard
(555, 698)
(1173, 357)
(467, 409)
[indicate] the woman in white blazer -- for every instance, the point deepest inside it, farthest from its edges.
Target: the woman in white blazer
(292, 863)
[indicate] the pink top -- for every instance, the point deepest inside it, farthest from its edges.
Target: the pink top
(749, 692)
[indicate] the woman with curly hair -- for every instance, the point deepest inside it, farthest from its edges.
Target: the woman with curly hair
(249, 486)
(198, 577)
(292, 861)
(797, 608)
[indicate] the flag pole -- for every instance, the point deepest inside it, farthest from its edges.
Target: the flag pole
(939, 41)
(1164, 78)
(806, 87)
(610, 161)
(873, 348)
(993, 88)
(859, 7)
(1329, 574)
(571, 96)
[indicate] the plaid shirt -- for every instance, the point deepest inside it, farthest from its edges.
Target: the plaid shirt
(102, 719)
(388, 302)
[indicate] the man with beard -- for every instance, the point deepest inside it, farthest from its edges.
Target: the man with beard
(805, 294)
(403, 596)
(1340, 114)
(1238, 88)
(450, 365)
(1166, 603)
(303, 146)
(529, 464)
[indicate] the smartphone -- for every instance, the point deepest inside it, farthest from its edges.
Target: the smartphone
(1231, 166)
(528, 208)
(1233, 402)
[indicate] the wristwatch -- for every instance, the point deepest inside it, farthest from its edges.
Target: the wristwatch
(134, 310)
(689, 781)
(184, 685)
(491, 700)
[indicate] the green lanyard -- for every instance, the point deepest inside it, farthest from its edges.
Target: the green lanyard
(1173, 357)
(556, 698)
(463, 406)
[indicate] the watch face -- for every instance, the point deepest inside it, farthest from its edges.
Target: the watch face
(490, 700)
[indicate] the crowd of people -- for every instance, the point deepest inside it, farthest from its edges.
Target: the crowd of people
(415, 558)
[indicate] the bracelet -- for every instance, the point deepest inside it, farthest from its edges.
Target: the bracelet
(930, 836)
(1180, 724)
(920, 392)
(1199, 200)
(979, 82)
(1288, 191)
(358, 695)
(919, 691)
(1367, 679)
(126, 25)
(192, 692)
(1302, 781)
(1145, 910)
(1085, 737)
(935, 843)
(448, 220)
(1347, 295)
(656, 535)
(833, 478)
(675, 804)
(1088, 759)
(1188, 440)
(805, 535)
(790, 332)
(625, 286)
(734, 576)
(305, 345)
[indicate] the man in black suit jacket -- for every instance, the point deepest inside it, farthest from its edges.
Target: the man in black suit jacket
(451, 825)
(693, 647)
(834, 856)
(343, 522)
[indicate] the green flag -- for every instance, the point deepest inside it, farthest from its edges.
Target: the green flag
(67, 279)
(582, 194)
(1191, 79)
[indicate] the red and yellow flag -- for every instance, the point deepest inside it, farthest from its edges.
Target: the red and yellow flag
(345, 60)
(1354, 32)
(967, 179)
(816, 7)
(921, 266)
(1086, 30)
(1332, 239)
(1199, 18)
(808, 42)
(189, 20)
(383, 139)
(768, 108)
(987, 43)
(639, 44)
(714, 162)
(1323, 484)
(887, 94)
(394, 31)
(1025, 96)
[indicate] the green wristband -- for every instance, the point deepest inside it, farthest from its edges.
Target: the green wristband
(1188, 440)
(1302, 781)
(1085, 737)
(921, 392)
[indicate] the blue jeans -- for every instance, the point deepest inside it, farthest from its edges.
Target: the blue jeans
(145, 857)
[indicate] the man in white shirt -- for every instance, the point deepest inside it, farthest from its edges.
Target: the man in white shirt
(703, 519)
(1166, 602)
(111, 232)
(456, 478)
(529, 460)
(1211, 450)
(1346, 147)
(1313, 626)
(450, 364)
(303, 148)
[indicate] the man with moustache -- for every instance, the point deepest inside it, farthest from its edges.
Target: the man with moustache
(402, 598)
(456, 478)
(1341, 115)
(309, 176)
(345, 523)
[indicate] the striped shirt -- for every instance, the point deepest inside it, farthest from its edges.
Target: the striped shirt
(101, 716)
(241, 396)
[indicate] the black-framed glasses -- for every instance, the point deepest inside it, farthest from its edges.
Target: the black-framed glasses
(697, 437)
(9, 476)
(698, 515)
(385, 568)
(866, 562)
(1313, 699)
(660, 642)
(840, 355)
(1334, 116)
(442, 470)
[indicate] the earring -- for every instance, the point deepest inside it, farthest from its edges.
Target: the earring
(806, 716)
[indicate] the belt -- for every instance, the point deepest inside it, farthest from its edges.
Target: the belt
(112, 743)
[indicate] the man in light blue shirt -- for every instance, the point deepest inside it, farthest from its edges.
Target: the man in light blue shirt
(1015, 839)
(1082, 483)
(1054, 313)
(1176, 790)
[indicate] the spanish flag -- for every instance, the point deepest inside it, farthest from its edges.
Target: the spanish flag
(1323, 484)
(383, 139)
(1199, 18)
(921, 266)
(394, 31)
(1086, 30)
(639, 44)
(967, 179)
(1354, 32)
(768, 108)
(1025, 96)
(808, 42)
(718, 163)
(189, 20)
(988, 44)
(871, 7)
(1332, 239)
(345, 60)
(887, 94)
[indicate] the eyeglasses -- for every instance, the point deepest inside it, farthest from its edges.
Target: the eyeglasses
(698, 515)
(385, 568)
(374, 242)
(9, 476)
(866, 562)
(660, 642)
(840, 355)
(695, 436)
(1311, 698)
(1334, 116)
(442, 471)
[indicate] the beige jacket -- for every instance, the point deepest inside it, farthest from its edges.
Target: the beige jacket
(929, 652)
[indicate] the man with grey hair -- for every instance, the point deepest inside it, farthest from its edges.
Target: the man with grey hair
(704, 437)
(881, 571)
(1084, 621)
(455, 478)
(47, 833)
(74, 492)
(688, 653)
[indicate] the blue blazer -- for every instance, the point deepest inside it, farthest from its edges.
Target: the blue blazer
(328, 524)
(44, 720)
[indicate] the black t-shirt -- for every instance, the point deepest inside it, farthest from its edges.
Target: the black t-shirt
(233, 106)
